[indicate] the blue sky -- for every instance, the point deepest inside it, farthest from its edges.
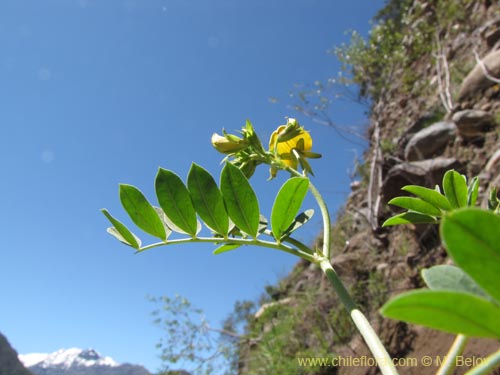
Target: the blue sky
(97, 93)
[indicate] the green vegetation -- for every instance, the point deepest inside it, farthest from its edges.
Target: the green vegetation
(461, 299)
(404, 33)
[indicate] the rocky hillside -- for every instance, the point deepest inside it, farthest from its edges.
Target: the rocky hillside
(429, 70)
(9, 362)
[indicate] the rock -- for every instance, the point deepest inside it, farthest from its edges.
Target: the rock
(355, 185)
(424, 173)
(486, 106)
(419, 124)
(491, 32)
(473, 122)
(476, 80)
(429, 141)
(493, 162)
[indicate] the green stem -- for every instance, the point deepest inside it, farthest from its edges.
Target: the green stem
(488, 364)
(373, 342)
(239, 241)
(327, 227)
(337, 284)
(324, 213)
(293, 241)
(456, 349)
(298, 245)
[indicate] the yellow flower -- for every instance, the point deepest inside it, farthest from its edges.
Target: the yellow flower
(292, 144)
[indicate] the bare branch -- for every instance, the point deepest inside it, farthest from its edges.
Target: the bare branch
(485, 69)
(443, 83)
(375, 179)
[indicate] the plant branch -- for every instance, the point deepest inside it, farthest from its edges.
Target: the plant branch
(238, 241)
(373, 342)
(298, 244)
(489, 363)
(375, 179)
(456, 349)
(327, 227)
(442, 69)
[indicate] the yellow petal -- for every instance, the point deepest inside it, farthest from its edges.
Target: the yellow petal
(286, 147)
(274, 136)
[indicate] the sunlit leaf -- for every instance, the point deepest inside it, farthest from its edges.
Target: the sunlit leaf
(119, 237)
(141, 212)
(493, 200)
(207, 199)
(455, 189)
(446, 277)
(416, 204)
(226, 247)
(287, 204)
(121, 232)
(449, 311)
(472, 192)
(164, 219)
(429, 195)
(409, 218)
(175, 201)
(472, 238)
(300, 220)
(241, 201)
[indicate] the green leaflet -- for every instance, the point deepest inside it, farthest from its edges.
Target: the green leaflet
(445, 277)
(429, 195)
(287, 204)
(455, 189)
(417, 205)
(449, 311)
(300, 220)
(226, 247)
(472, 238)
(409, 218)
(141, 212)
(175, 201)
(240, 199)
(207, 199)
(164, 219)
(121, 232)
(472, 192)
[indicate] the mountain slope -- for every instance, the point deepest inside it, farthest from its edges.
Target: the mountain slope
(9, 362)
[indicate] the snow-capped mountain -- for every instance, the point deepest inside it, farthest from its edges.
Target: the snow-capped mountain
(76, 361)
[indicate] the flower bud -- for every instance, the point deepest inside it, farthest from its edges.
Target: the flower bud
(289, 131)
(228, 144)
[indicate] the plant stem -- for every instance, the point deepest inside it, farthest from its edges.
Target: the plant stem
(373, 342)
(489, 363)
(298, 245)
(239, 241)
(337, 284)
(456, 349)
(327, 227)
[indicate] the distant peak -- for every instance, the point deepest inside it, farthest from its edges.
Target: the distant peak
(67, 358)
